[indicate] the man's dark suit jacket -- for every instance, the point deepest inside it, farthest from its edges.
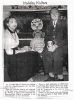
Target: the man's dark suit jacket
(57, 34)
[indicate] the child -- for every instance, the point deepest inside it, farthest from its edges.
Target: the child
(50, 46)
(48, 59)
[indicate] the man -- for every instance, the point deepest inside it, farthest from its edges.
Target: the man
(57, 33)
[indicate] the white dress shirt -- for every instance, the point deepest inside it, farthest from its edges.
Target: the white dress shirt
(54, 23)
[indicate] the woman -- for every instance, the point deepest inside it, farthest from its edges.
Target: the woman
(18, 67)
(11, 40)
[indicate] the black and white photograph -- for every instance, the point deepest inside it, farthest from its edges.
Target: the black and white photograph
(35, 43)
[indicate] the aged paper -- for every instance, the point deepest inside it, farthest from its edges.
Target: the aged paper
(28, 81)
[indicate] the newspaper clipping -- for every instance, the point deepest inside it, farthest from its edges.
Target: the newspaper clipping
(35, 49)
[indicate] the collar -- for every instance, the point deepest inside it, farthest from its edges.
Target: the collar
(55, 21)
(12, 31)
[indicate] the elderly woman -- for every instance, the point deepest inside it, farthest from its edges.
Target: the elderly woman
(37, 43)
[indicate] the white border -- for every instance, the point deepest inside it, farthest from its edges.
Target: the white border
(70, 41)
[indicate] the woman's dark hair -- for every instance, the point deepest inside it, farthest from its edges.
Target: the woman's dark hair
(6, 20)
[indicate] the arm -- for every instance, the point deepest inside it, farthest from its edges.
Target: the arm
(48, 33)
(64, 40)
(9, 51)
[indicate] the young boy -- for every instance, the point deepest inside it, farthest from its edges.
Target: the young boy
(48, 59)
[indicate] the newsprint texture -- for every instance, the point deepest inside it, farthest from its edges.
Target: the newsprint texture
(35, 50)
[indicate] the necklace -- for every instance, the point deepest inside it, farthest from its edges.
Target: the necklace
(12, 34)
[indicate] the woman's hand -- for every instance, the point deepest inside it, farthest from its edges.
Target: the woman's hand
(19, 51)
(23, 49)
